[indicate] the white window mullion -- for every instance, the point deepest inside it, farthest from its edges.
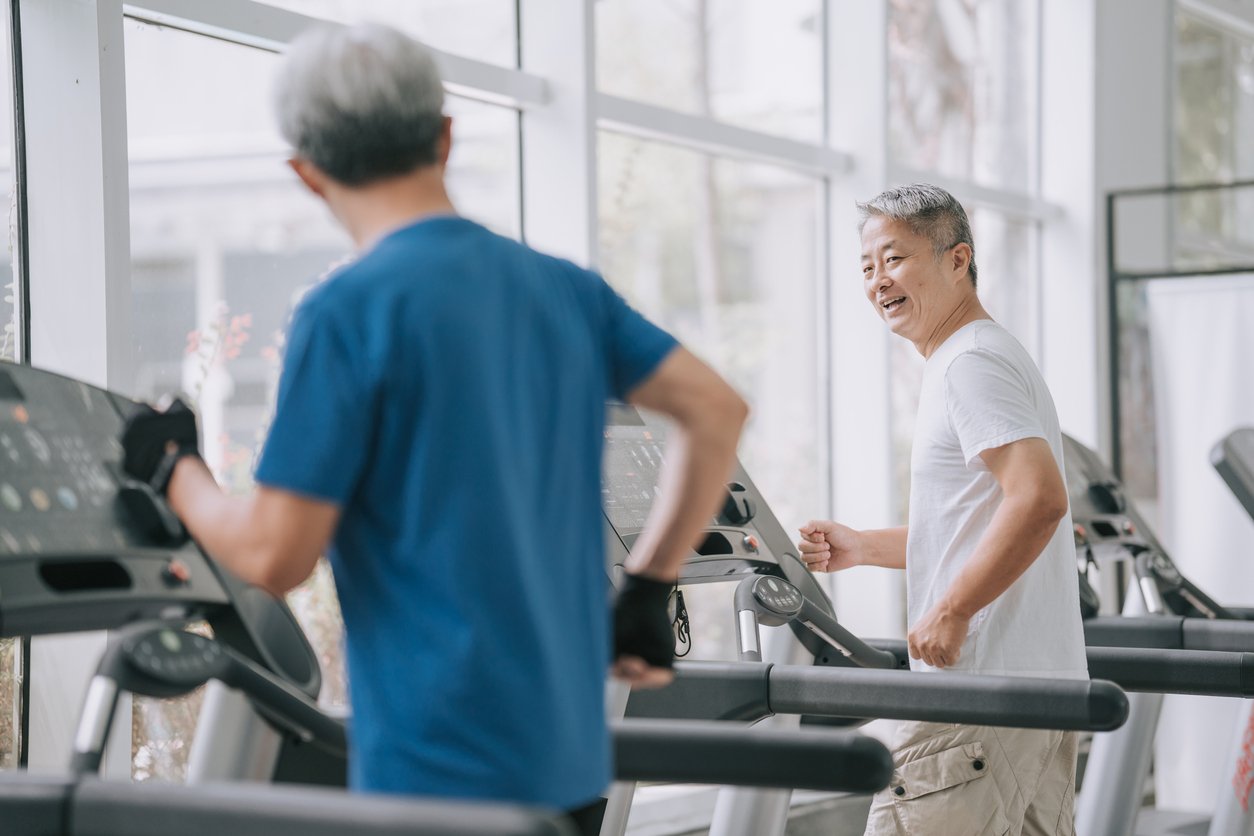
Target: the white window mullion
(861, 416)
(1017, 204)
(712, 136)
(559, 171)
(272, 28)
(73, 77)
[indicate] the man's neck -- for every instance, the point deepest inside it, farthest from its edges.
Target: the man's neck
(968, 311)
(373, 211)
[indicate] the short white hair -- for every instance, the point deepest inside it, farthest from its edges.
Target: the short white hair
(362, 102)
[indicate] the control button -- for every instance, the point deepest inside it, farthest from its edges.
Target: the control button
(67, 498)
(20, 414)
(176, 573)
(33, 542)
(10, 497)
(170, 640)
(38, 445)
(9, 542)
(40, 499)
(751, 543)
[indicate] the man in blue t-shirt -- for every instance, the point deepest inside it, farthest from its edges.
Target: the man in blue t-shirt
(438, 434)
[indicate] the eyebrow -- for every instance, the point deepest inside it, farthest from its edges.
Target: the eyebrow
(888, 245)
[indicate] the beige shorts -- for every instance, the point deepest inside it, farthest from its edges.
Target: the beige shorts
(952, 780)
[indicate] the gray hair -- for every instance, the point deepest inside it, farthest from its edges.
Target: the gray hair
(361, 103)
(929, 211)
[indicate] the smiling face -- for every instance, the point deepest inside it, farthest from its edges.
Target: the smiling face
(921, 297)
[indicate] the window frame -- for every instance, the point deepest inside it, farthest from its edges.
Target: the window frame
(555, 90)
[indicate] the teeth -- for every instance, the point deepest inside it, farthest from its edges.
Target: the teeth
(892, 303)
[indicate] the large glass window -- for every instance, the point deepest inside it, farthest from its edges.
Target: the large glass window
(483, 29)
(224, 240)
(758, 65)
(724, 255)
(962, 88)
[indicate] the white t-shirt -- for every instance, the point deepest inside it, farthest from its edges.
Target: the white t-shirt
(981, 390)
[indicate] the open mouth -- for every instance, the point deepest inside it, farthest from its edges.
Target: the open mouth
(892, 304)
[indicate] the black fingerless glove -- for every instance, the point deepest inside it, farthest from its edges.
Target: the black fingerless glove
(153, 442)
(642, 626)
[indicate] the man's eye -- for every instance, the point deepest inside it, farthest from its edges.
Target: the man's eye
(866, 270)
(893, 258)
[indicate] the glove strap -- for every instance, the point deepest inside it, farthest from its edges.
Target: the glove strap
(165, 468)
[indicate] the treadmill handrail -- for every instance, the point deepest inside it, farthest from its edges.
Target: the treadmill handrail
(712, 752)
(111, 808)
(943, 697)
(1170, 632)
(1023, 702)
(1208, 673)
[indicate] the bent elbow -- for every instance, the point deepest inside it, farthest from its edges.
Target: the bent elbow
(1053, 508)
(736, 409)
(275, 573)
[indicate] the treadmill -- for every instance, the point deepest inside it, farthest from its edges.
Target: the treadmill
(843, 680)
(82, 547)
(1118, 553)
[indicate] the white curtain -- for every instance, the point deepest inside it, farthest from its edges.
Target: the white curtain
(1202, 344)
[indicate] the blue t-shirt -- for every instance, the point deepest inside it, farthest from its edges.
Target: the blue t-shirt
(447, 390)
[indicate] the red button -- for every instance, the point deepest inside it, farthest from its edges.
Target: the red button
(751, 543)
(176, 572)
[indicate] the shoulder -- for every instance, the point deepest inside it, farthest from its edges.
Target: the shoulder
(983, 346)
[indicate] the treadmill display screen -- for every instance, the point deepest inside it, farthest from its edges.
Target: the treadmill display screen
(631, 464)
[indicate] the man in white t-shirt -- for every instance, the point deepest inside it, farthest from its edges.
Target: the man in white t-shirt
(988, 552)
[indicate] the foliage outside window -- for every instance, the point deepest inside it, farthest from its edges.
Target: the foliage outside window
(757, 65)
(962, 89)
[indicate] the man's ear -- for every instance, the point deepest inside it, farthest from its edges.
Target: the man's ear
(959, 260)
(310, 175)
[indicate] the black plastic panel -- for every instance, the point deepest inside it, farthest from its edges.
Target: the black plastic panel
(1233, 458)
(71, 557)
(34, 805)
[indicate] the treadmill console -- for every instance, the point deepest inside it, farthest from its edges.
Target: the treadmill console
(72, 556)
(733, 544)
(1114, 544)
(743, 539)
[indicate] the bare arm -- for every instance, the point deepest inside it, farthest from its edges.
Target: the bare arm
(271, 538)
(708, 416)
(1034, 501)
(830, 547)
